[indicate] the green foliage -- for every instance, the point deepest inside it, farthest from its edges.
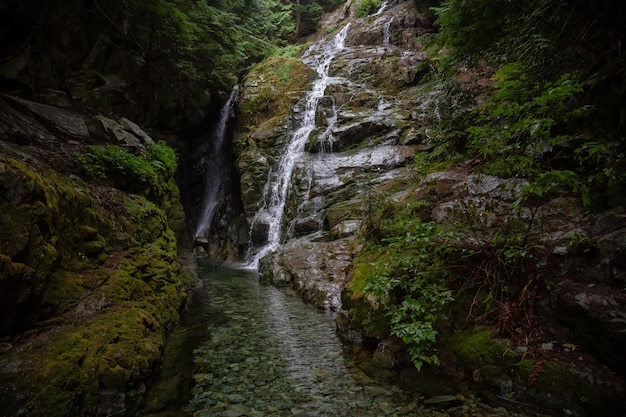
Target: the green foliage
(542, 34)
(517, 132)
(146, 173)
(367, 7)
(163, 157)
(307, 13)
(213, 42)
(411, 276)
(470, 26)
(114, 162)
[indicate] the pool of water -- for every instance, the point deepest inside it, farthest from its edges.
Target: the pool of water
(270, 354)
(260, 351)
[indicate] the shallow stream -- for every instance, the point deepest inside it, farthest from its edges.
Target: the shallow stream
(260, 351)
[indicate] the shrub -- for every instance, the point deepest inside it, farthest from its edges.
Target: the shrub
(142, 173)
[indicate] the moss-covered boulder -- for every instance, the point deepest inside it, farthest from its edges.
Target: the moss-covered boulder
(90, 282)
(271, 88)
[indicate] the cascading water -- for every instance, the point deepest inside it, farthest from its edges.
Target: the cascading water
(214, 163)
(387, 32)
(319, 57)
(382, 8)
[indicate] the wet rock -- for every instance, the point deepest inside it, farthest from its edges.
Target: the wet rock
(317, 270)
(390, 354)
(597, 317)
(345, 229)
(307, 225)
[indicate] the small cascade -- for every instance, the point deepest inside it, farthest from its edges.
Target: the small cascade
(387, 32)
(319, 57)
(382, 8)
(325, 140)
(214, 163)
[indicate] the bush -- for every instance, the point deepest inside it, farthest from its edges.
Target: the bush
(135, 173)
(411, 278)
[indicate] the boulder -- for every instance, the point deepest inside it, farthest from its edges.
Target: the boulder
(596, 316)
(316, 270)
(117, 134)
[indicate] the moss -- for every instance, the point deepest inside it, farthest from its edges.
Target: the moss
(480, 348)
(121, 345)
(111, 352)
(268, 90)
(371, 319)
(369, 262)
(61, 235)
(367, 316)
(562, 386)
(344, 210)
(65, 290)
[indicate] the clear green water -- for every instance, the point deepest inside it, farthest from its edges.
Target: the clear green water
(270, 354)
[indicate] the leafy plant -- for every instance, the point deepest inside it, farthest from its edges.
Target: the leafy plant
(412, 283)
(164, 157)
(518, 131)
(145, 172)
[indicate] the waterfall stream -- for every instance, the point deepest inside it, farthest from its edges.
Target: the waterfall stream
(215, 165)
(319, 57)
(260, 350)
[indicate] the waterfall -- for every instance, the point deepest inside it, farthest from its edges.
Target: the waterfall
(319, 57)
(215, 167)
(387, 32)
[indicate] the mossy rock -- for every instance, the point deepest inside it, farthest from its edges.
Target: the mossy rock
(118, 345)
(48, 224)
(271, 88)
(110, 310)
(344, 210)
(481, 349)
(368, 316)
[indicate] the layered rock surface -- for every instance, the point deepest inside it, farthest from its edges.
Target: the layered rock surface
(364, 137)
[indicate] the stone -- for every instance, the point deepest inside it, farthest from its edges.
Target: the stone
(116, 133)
(137, 131)
(54, 97)
(57, 121)
(442, 400)
(345, 229)
(596, 316)
(390, 354)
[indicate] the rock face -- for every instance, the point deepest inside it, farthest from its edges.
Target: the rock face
(363, 138)
(90, 280)
(377, 112)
